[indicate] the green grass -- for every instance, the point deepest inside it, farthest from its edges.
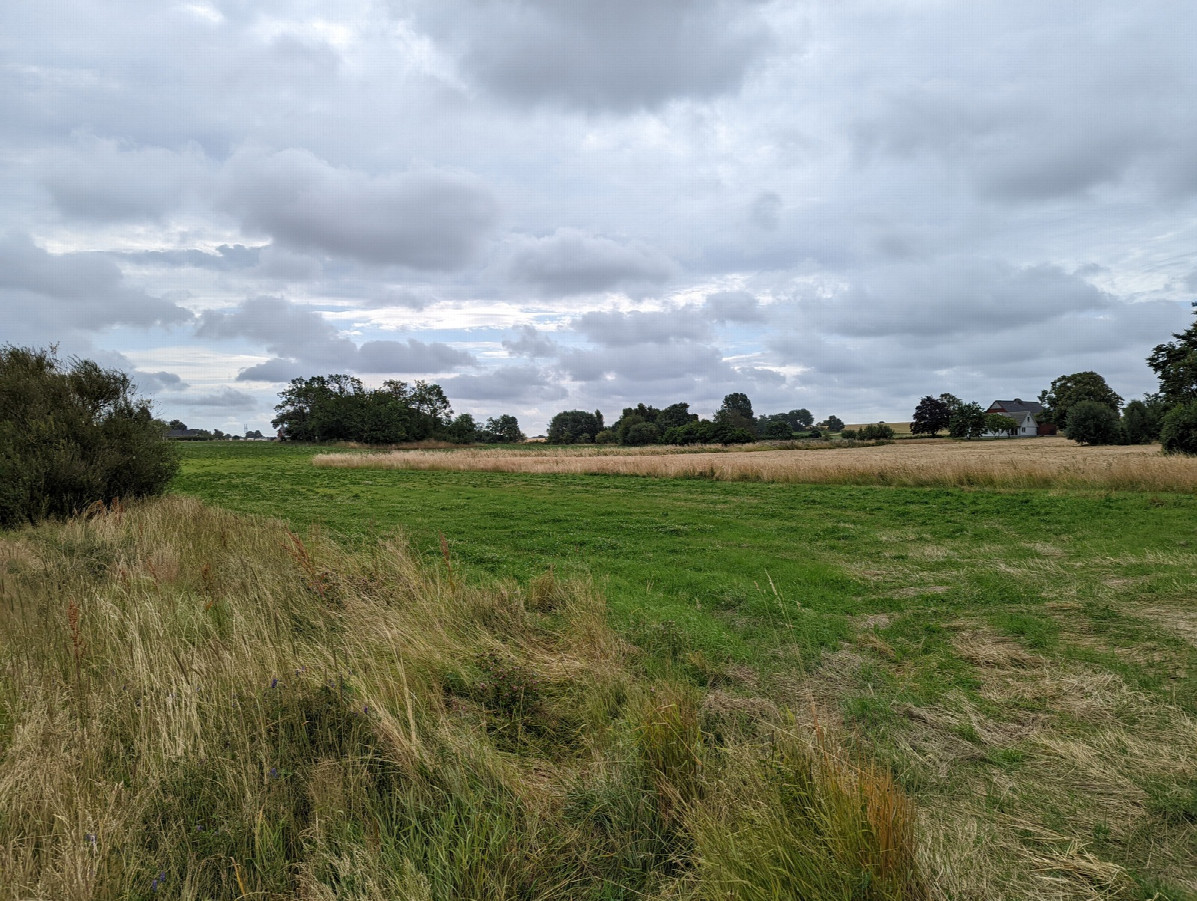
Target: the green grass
(1016, 657)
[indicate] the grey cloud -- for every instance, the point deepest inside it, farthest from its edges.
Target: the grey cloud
(277, 370)
(229, 398)
(423, 220)
(627, 329)
(530, 343)
(158, 381)
(951, 298)
(75, 290)
(305, 343)
(619, 55)
(404, 299)
(408, 357)
(570, 262)
(284, 328)
(227, 258)
(665, 361)
(734, 306)
(526, 384)
(102, 181)
(765, 211)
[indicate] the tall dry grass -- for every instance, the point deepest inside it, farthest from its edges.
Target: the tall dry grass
(199, 705)
(1028, 463)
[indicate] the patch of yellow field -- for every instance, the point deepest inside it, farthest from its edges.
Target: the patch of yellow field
(1049, 462)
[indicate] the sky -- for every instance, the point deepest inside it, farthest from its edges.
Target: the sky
(545, 205)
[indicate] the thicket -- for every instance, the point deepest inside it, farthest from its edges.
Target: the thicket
(643, 424)
(1178, 432)
(338, 407)
(72, 435)
(204, 705)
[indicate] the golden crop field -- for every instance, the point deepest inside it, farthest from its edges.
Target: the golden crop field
(1049, 462)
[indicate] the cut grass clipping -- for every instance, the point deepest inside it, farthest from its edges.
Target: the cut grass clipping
(196, 704)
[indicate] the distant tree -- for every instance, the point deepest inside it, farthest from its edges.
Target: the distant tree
(968, 421)
(835, 424)
(575, 427)
(800, 419)
(177, 425)
(463, 429)
(219, 435)
(338, 408)
(675, 415)
(877, 431)
(931, 416)
(1178, 434)
(641, 433)
(503, 429)
(1092, 422)
(997, 423)
(736, 411)
(1175, 365)
(1142, 420)
(775, 428)
(256, 433)
(72, 435)
(1068, 390)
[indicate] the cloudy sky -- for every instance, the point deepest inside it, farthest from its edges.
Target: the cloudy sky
(557, 204)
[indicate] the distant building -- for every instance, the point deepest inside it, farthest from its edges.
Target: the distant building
(1022, 412)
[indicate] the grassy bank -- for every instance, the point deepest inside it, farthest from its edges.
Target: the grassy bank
(1024, 661)
(197, 704)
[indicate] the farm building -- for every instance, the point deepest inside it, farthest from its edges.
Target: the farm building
(1022, 412)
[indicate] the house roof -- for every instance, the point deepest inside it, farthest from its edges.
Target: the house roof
(1018, 405)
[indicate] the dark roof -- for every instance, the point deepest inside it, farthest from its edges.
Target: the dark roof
(1018, 405)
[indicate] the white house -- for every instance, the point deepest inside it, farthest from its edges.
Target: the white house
(1023, 413)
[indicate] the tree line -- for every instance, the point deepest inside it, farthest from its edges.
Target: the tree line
(338, 407)
(1086, 409)
(733, 423)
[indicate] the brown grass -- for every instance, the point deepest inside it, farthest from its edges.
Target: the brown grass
(1028, 463)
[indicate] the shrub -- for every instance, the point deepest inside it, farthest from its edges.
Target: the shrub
(1091, 422)
(1178, 434)
(73, 435)
(877, 431)
(848, 434)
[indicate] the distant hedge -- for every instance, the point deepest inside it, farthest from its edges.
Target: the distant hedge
(71, 435)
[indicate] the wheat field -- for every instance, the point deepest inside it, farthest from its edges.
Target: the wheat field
(1049, 462)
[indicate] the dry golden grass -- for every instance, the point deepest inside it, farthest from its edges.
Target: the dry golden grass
(1027, 463)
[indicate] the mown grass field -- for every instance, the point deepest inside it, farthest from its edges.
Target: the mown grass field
(560, 685)
(1024, 660)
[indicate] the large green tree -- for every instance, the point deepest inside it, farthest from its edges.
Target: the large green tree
(574, 427)
(504, 429)
(931, 416)
(1068, 390)
(1175, 364)
(73, 434)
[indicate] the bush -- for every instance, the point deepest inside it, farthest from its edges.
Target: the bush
(71, 436)
(1092, 422)
(877, 431)
(848, 434)
(1178, 434)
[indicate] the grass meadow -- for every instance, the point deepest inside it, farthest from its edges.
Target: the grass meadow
(319, 681)
(1029, 463)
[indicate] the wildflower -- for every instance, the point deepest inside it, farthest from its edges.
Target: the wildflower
(274, 682)
(91, 838)
(158, 880)
(273, 772)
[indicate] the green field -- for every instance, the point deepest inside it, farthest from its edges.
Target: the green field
(1024, 661)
